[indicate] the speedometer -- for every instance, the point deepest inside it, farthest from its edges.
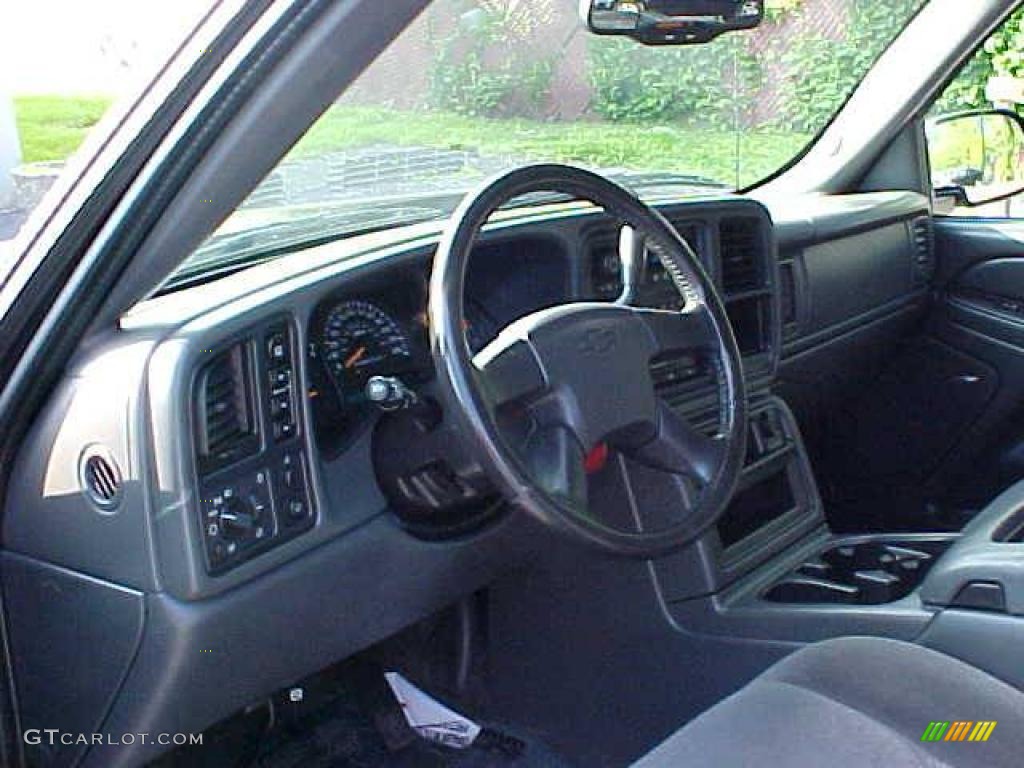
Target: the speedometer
(360, 340)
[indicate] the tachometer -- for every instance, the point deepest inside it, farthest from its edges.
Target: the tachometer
(360, 340)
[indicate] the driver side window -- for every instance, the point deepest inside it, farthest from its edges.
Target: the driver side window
(975, 131)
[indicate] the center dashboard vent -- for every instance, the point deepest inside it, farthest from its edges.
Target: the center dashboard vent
(740, 248)
(226, 426)
(679, 378)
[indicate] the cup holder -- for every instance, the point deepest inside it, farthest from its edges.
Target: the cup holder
(860, 573)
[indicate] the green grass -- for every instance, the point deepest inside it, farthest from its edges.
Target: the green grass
(647, 147)
(52, 127)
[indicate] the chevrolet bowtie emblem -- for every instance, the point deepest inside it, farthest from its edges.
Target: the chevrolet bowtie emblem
(597, 341)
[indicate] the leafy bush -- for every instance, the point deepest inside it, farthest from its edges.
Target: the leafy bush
(1001, 56)
(830, 69)
(696, 84)
(467, 86)
(475, 72)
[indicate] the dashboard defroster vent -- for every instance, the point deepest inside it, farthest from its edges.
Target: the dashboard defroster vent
(740, 246)
(226, 429)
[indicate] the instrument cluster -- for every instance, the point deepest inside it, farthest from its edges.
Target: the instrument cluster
(379, 328)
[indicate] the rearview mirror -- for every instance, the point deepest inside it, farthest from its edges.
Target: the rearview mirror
(976, 157)
(670, 22)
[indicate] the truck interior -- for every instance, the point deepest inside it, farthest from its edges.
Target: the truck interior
(622, 467)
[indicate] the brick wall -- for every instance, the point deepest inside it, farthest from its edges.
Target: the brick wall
(401, 77)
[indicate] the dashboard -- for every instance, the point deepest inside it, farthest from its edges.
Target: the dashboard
(253, 505)
(287, 448)
(377, 327)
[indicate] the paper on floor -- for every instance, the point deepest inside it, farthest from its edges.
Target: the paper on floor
(431, 719)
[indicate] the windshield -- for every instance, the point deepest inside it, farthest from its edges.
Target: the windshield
(477, 86)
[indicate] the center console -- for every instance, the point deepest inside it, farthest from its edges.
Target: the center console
(772, 570)
(870, 570)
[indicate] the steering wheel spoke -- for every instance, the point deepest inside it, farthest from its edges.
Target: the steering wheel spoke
(555, 460)
(675, 331)
(681, 449)
(510, 371)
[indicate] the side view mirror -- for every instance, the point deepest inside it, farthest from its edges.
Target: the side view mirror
(670, 22)
(977, 157)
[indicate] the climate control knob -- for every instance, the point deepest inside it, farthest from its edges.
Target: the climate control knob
(239, 521)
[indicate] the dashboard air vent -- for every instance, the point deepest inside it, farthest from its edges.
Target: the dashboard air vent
(226, 429)
(678, 379)
(101, 478)
(923, 238)
(740, 247)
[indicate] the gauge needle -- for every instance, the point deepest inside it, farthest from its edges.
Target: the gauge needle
(355, 357)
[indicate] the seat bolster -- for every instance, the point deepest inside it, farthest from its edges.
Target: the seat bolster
(853, 701)
(775, 724)
(903, 685)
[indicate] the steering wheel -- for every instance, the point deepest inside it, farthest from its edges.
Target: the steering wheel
(561, 382)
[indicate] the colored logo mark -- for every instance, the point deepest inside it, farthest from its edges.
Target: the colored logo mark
(958, 730)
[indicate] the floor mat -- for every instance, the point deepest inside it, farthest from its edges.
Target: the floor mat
(341, 735)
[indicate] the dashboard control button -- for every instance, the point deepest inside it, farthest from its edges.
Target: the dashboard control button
(240, 520)
(296, 509)
(218, 552)
(281, 405)
(243, 509)
(283, 430)
(277, 346)
(280, 378)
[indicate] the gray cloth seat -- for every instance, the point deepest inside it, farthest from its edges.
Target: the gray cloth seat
(856, 701)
